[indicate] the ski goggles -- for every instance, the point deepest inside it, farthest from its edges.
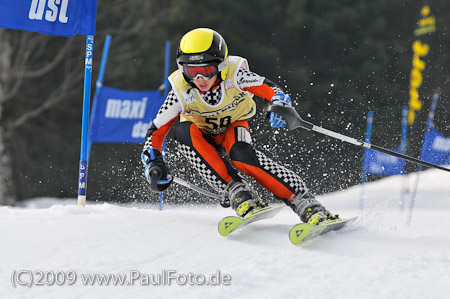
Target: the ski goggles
(195, 71)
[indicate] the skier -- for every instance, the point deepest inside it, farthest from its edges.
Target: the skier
(212, 93)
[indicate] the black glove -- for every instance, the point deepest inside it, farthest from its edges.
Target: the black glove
(156, 171)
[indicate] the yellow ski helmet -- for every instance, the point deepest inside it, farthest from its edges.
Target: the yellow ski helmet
(203, 46)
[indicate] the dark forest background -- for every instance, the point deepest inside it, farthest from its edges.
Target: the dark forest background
(339, 59)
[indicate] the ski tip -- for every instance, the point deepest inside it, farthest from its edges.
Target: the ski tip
(302, 232)
(231, 223)
(228, 224)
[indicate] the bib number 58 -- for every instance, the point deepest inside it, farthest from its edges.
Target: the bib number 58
(219, 122)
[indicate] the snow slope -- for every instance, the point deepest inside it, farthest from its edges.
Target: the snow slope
(380, 256)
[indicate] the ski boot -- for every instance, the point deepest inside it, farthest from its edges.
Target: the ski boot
(241, 198)
(310, 210)
(318, 214)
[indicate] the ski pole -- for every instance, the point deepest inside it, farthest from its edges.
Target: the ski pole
(295, 121)
(195, 188)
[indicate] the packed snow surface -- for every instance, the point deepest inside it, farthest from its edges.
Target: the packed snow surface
(61, 246)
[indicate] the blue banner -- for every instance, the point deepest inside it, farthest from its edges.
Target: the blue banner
(120, 116)
(377, 163)
(55, 17)
(436, 148)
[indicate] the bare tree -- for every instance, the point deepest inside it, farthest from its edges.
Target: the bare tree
(18, 52)
(40, 73)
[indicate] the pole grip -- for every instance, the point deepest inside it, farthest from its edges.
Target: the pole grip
(290, 115)
(155, 175)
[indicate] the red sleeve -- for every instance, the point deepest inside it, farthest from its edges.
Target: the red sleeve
(262, 91)
(160, 134)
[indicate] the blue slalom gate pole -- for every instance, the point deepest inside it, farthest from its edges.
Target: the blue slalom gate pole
(166, 91)
(419, 169)
(367, 139)
(161, 194)
(403, 151)
(98, 86)
(404, 129)
(82, 177)
(167, 69)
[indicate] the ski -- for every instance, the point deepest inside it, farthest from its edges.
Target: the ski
(231, 223)
(303, 232)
